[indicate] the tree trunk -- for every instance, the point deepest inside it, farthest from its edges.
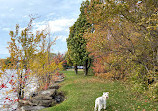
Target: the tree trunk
(20, 90)
(157, 56)
(76, 70)
(86, 68)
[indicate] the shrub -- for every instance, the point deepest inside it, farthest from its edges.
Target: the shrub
(153, 91)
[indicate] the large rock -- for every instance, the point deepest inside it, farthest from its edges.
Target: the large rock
(59, 97)
(40, 97)
(45, 98)
(54, 86)
(59, 80)
(48, 93)
(25, 102)
(33, 94)
(32, 108)
(45, 103)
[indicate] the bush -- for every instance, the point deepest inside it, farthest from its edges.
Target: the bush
(107, 75)
(139, 87)
(153, 91)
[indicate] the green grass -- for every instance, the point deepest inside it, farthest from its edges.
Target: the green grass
(82, 91)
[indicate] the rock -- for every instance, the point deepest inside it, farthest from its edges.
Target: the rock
(32, 108)
(54, 86)
(59, 97)
(25, 102)
(40, 97)
(43, 99)
(59, 80)
(33, 94)
(61, 77)
(48, 93)
(45, 103)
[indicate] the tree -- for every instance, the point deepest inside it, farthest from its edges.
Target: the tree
(29, 57)
(22, 48)
(122, 38)
(77, 43)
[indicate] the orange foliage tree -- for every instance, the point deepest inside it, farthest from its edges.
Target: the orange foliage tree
(122, 42)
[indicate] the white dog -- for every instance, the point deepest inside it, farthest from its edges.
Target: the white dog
(100, 102)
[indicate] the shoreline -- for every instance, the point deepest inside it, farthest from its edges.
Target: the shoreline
(43, 98)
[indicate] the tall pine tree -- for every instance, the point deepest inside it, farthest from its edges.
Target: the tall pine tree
(77, 43)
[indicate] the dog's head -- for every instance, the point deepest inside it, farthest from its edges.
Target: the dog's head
(106, 95)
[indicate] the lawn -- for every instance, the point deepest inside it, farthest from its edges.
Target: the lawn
(82, 91)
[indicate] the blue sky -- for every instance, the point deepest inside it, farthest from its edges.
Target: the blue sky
(59, 14)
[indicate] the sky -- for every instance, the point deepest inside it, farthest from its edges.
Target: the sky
(59, 15)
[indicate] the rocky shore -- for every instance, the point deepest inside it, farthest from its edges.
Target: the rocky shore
(44, 98)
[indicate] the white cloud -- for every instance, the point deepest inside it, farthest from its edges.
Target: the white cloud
(58, 25)
(59, 14)
(6, 29)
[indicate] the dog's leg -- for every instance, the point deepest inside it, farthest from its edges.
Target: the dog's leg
(104, 104)
(99, 107)
(95, 107)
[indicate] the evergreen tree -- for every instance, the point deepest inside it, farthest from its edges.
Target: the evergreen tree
(77, 43)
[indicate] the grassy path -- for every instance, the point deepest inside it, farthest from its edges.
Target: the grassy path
(81, 93)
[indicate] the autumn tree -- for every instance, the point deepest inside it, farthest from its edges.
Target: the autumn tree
(124, 40)
(60, 60)
(30, 56)
(41, 62)
(22, 48)
(77, 43)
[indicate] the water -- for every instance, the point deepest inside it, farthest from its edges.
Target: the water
(8, 97)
